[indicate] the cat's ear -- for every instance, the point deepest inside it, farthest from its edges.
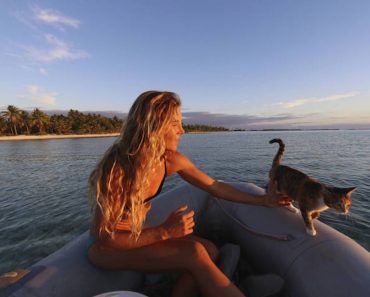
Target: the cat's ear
(349, 190)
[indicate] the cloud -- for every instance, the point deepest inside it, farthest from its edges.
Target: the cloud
(24, 18)
(59, 51)
(232, 121)
(36, 94)
(309, 100)
(54, 49)
(54, 18)
(315, 120)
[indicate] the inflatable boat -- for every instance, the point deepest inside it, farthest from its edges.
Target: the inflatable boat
(273, 240)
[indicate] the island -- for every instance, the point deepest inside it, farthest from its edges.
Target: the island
(17, 124)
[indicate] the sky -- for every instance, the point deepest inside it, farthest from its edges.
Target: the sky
(257, 64)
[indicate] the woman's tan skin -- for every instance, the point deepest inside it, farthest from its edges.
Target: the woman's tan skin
(171, 245)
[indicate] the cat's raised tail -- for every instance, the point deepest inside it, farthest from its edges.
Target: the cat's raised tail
(278, 156)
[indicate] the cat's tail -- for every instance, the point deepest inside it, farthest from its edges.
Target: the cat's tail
(279, 155)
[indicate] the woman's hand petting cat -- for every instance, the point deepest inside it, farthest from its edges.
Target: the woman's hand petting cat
(274, 198)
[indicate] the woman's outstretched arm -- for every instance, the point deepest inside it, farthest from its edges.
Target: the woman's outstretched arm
(189, 172)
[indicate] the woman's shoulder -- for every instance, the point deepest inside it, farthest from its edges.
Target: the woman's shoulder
(176, 161)
(175, 157)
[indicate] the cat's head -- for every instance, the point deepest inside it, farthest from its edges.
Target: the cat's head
(341, 198)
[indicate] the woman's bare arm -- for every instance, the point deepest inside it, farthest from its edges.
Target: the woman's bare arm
(189, 172)
(178, 224)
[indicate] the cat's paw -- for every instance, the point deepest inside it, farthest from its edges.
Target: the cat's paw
(311, 232)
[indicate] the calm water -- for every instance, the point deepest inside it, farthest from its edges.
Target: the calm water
(43, 184)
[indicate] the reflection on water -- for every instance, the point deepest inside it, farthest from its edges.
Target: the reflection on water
(43, 193)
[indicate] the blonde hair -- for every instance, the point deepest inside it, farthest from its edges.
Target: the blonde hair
(120, 178)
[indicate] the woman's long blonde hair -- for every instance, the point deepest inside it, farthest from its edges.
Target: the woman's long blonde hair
(118, 182)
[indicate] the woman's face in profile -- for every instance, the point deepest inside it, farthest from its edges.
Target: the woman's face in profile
(174, 131)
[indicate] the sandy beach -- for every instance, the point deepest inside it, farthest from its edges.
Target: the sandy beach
(54, 136)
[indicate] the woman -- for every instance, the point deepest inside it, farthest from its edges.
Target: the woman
(130, 174)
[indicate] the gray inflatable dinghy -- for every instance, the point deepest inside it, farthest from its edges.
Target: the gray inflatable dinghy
(273, 239)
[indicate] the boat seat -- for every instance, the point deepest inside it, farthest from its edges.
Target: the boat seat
(67, 272)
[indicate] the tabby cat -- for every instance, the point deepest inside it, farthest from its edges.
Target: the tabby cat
(312, 196)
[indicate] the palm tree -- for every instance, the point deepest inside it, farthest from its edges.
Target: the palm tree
(77, 120)
(39, 119)
(60, 124)
(117, 123)
(12, 116)
(2, 124)
(25, 120)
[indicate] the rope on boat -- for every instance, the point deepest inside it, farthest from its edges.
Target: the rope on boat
(282, 237)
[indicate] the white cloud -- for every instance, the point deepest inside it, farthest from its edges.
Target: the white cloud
(55, 18)
(32, 89)
(43, 71)
(54, 48)
(38, 95)
(59, 51)
(309, 100)
(24, 18)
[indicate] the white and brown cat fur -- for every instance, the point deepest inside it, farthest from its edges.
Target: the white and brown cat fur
(312, 196)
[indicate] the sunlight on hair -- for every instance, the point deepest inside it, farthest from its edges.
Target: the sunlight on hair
(120, 180)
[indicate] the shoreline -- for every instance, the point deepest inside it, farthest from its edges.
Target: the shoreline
(54, 136)
(66, 136)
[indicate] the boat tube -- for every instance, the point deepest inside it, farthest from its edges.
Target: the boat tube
(273, 240)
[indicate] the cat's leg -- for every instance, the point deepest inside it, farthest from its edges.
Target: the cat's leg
(292, 208)
(307, 217)
(273, 184)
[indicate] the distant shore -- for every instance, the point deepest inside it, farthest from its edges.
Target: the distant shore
(54, 136)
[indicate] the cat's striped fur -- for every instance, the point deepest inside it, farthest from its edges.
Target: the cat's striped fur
(312, 196)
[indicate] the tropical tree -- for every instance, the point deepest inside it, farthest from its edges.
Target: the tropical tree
(39, 120)
(91, 124)
(117, 123)
(12, 115)
(77, 120)
(59, 124)
(203, 128)
(25, 121)
(3, 125)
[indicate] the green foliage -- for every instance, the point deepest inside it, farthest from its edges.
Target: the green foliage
(3, 125)
(12, 116)
(39, 121)
(25, 122)
(14, 121)
(203, 128)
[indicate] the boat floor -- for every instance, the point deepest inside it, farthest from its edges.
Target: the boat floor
(161, 284)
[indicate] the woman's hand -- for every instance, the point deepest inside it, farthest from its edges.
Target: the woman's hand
(274, 198)
(178, 224)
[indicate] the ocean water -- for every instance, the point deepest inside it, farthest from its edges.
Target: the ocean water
(43, 184)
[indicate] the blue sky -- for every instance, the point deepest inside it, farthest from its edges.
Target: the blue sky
(252, 64)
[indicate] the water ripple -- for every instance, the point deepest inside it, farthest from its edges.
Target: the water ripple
(43, 192)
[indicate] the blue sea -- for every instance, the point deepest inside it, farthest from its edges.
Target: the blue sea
(43, 183)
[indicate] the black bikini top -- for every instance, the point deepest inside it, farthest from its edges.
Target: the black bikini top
(160, 186)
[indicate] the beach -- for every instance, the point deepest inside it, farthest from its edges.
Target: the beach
(54, 136)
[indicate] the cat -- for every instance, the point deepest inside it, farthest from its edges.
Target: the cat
(312, 196)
